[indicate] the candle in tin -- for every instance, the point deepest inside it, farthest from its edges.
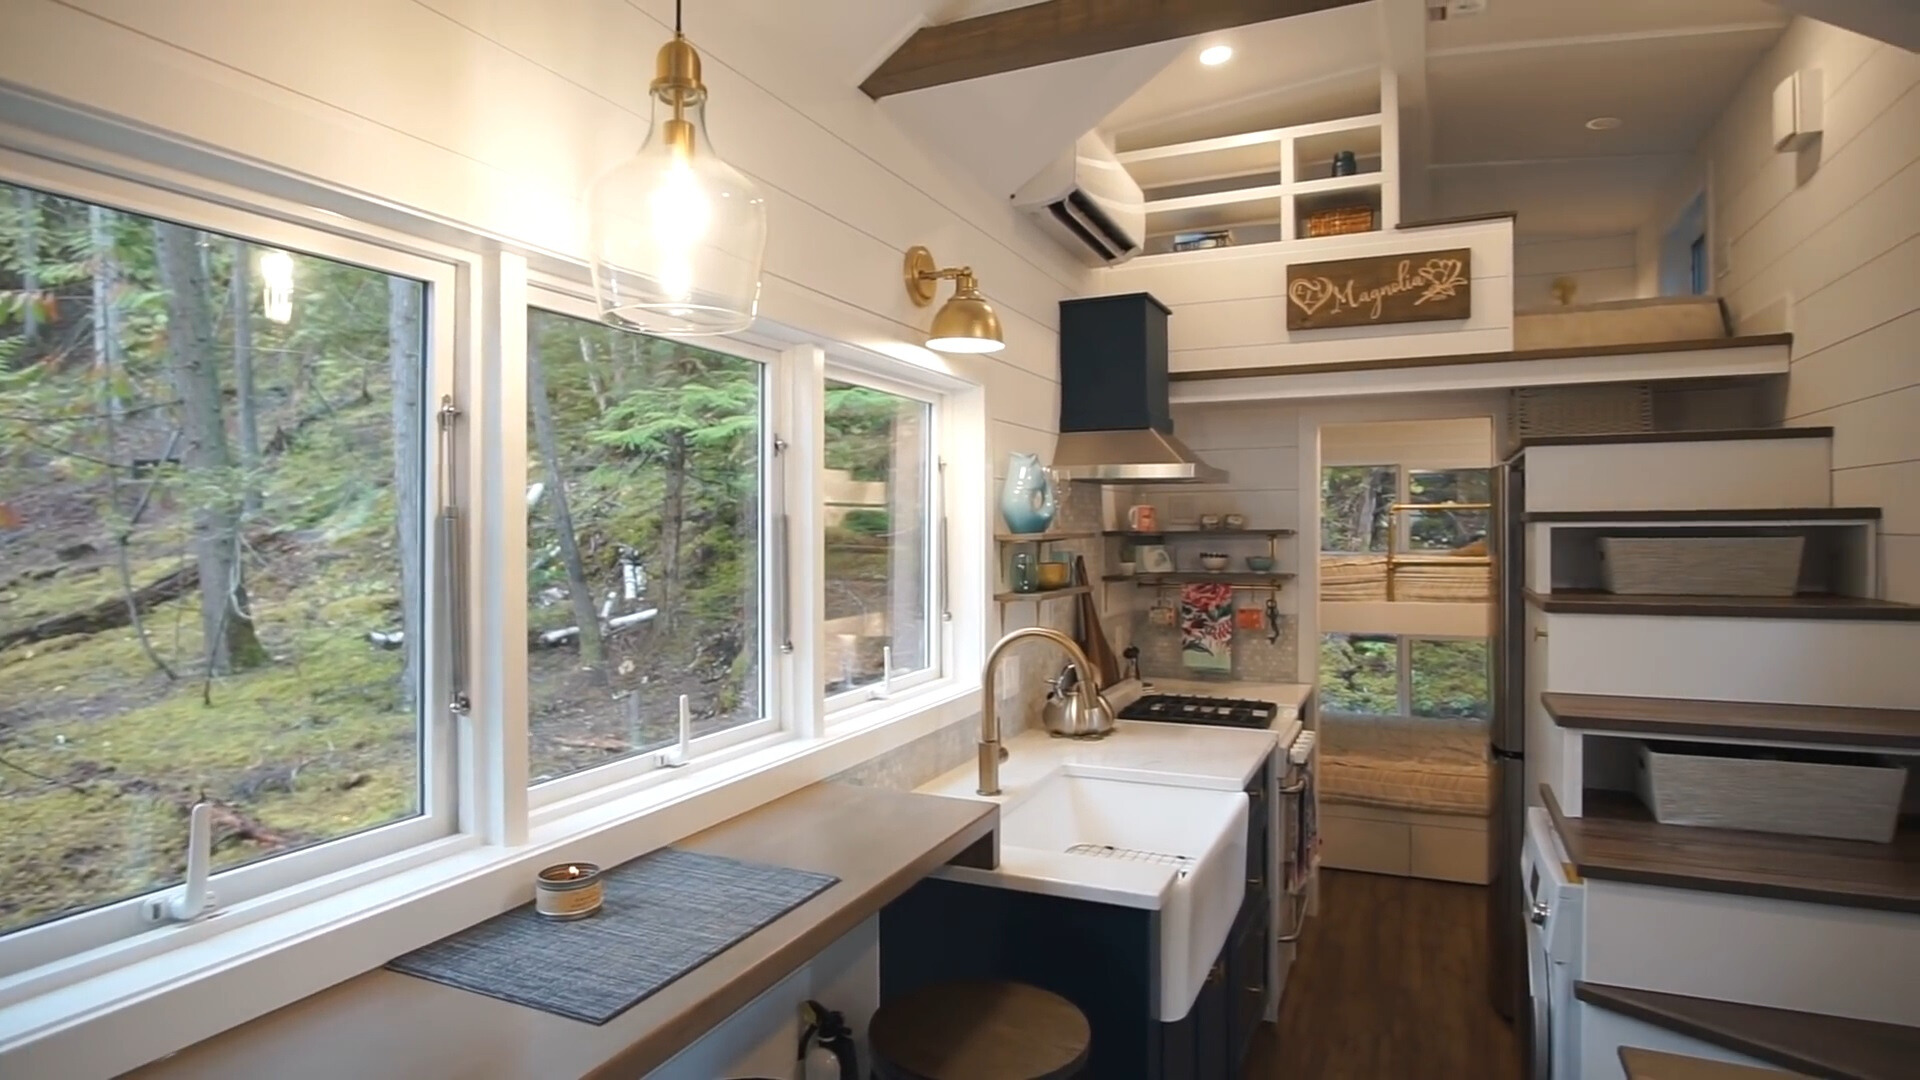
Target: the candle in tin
(567, 891)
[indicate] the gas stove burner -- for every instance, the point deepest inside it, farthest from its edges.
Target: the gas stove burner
(1202, 709)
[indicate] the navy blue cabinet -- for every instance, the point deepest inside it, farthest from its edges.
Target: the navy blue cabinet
(1098, 956)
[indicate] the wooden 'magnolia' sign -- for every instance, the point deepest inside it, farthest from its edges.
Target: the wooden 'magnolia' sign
(1422, 287)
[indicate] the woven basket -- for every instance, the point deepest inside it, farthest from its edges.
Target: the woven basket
(1701, 565)
(1340, 221)
(1768, 789)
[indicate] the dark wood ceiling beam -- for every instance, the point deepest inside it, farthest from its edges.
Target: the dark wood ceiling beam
(1056, 30)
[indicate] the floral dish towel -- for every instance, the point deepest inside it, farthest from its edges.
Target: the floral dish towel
(1206, 627)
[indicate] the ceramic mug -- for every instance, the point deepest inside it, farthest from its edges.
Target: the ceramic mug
(1143, 518)
(1209, 522)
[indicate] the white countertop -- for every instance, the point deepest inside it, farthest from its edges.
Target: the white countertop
(1173, 755)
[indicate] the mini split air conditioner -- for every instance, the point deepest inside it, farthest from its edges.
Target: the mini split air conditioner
(1088, 202)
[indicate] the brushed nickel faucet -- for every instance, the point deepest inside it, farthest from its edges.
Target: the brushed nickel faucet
(991, 750)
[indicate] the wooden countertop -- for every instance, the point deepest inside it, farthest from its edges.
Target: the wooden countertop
(384, 1024)
(1856, 608)
(1827, 1046)
(1655, 1065)
(1823, 725)
(1619, 840)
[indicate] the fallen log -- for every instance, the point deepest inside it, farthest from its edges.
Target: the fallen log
(111, 613)
(117, 610)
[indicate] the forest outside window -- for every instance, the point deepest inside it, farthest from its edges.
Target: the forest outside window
(878, 500)
(646, 500)
(213, 571)
(1390, 675)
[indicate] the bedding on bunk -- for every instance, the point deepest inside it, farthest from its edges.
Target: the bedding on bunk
(1360, 578)
(1432, 766)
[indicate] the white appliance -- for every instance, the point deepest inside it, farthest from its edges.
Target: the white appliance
(1555, 909)
(1088, 202)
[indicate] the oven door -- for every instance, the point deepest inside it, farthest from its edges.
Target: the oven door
(1537, 1031)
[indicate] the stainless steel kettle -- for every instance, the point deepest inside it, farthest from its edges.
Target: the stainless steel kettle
(1075, 709)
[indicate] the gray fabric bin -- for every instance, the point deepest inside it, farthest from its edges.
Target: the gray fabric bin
(1701, 565)
(1846, 796)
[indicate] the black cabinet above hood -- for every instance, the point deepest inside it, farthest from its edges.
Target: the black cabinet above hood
(1116, 426)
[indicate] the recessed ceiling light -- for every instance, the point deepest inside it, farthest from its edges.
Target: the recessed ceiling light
(1603, 123)
(1215, 55)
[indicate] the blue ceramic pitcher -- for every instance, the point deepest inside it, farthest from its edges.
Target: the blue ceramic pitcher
(1026, 500)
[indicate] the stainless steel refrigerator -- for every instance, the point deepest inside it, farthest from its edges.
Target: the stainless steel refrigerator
(1506, 932)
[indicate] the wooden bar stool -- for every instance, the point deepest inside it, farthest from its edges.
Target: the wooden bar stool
(979, 1029)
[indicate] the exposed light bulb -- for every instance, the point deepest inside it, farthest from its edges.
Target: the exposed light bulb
(1215, 55)
(679, 213)
(276, 286)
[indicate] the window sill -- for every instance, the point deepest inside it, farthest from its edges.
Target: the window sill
(113, 1022)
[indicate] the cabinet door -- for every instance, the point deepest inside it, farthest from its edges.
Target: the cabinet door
(1177, 1050)
(1247, 971)
(1213, 1057)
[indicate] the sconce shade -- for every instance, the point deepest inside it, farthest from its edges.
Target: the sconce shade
(964, 324)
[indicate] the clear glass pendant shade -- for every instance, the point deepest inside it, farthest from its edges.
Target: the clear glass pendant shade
(678, 234)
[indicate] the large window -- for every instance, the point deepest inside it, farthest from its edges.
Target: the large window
(644, 567)
(1390, 675)
(267, 494)
(878, 493)
(214, 578)
(1459, 519)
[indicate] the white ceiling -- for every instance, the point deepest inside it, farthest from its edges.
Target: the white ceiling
(1321, 66)
(1510, 92)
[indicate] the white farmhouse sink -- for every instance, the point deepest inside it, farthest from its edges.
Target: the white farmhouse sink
(1189, 843)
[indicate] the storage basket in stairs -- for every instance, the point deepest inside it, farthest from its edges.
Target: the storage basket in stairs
(1702, 565)
(1846, 796)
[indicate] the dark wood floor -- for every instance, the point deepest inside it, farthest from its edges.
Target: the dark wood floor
(1390, 984)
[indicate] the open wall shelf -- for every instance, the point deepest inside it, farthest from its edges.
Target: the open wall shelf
(1262, 185)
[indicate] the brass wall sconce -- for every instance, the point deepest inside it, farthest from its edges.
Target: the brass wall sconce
(964, 324)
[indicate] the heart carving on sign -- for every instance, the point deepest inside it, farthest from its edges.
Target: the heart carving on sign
(1311, 294)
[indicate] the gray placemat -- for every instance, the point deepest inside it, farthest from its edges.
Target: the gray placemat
(665, 913)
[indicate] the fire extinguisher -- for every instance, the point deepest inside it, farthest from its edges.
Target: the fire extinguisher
(826, 1045)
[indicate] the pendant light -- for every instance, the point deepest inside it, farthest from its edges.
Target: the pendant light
(964, 324)
(678, 235)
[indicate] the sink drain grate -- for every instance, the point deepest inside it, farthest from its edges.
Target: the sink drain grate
(1108, 851)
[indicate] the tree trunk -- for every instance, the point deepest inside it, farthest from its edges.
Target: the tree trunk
(674, 509)
(29, 207)
(241, 301)
(579, 594)
(225, 617)
(404, 360)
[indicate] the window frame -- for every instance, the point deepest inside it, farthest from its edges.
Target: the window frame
(937, 579)
(629, 772)
(67, 946)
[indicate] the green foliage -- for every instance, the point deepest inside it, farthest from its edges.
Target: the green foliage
(1360, 674)
(1447, 677)
(866, 522)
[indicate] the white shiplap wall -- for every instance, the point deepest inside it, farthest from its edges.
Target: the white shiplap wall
(1230, 305)
(497, 116)
(1602, 269)
(1827, 243)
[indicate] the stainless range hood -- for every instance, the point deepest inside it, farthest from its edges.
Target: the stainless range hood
(1116, 426)
(1140, 456)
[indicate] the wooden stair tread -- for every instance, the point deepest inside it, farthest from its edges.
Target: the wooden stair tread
(1830, 1046)
(1618, 840)
(1826, 725)
(1644, 1064)
(1838, 608)
(1720, 435)
(1788, 513)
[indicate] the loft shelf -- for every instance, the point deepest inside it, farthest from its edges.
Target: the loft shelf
(1043, 594)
